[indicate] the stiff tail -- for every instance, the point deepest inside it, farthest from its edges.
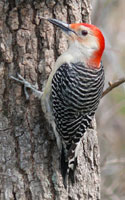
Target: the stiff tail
(72, 169)
(68, 165)
(64, 166)
(72, 164)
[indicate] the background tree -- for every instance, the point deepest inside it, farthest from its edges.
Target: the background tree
(29, 157)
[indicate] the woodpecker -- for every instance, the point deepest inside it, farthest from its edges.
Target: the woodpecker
(73, 90)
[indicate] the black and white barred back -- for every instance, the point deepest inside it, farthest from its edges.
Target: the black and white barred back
(76, 92)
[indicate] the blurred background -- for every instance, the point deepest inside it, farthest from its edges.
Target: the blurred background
(109, 16)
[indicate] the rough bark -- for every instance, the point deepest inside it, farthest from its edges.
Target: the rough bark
(29, 158)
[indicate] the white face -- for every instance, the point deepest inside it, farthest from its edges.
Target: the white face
(85, 38)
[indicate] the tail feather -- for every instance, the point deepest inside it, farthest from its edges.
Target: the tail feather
(72, 169)
(68, 164)
(64, 166)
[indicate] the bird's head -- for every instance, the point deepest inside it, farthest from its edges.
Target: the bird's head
(86, 38)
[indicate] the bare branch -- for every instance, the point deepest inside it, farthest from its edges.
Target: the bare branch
(113, 85)
(6, 129)
(113, 162)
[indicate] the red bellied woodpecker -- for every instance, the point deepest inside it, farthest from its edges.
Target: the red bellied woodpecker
(73, 90)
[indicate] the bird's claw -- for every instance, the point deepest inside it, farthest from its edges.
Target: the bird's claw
(26, 84)
(20, 80)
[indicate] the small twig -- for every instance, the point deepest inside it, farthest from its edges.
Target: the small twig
(113, 85)
(113, 162)
(6, 129)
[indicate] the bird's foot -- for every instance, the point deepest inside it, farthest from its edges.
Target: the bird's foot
(26, 84)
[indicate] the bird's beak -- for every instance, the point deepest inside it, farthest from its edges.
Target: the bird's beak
(65, 27)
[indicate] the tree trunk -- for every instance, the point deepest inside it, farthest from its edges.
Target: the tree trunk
(29, 158)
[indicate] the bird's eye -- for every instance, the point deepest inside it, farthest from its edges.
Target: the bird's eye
(84, 32)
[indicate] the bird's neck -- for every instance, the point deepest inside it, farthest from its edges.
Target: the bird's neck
(88, 57)
(95, 60)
